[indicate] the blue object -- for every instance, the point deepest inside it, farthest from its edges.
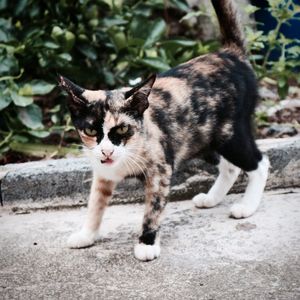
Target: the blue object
(266, 22)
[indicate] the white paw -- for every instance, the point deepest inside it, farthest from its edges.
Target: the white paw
(81, 239)
(204, 200)
(239, 211)
(146, 252)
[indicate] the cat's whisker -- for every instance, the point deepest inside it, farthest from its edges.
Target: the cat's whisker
(140, 159)
(136, 155)
(137, 165)
(131, 169)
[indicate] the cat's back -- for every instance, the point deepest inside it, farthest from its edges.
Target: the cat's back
(197, 103)
(211, 79)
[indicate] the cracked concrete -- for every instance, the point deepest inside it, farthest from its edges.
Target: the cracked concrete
(205, 254)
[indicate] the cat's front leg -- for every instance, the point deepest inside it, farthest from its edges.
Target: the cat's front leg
(157, 189)
(101, 192)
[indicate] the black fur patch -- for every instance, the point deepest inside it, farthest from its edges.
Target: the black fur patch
(116, 138)
(163, 121)
(165, 96)
(156, 204)
(182, 115)
(90, 116)
(161, 169)
(148, 236)
(181, 71)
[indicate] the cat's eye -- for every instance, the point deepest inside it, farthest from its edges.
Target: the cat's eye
(90, 132)
(122, 130)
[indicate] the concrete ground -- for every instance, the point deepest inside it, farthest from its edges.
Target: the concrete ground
(205, 254)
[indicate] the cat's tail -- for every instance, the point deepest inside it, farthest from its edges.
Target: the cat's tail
(232, 34)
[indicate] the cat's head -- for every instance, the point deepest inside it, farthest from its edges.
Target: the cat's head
(109, 122)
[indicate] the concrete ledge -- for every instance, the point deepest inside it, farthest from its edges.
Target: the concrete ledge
(54, 182)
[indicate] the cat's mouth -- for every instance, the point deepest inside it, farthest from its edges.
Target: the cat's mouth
(107, 161)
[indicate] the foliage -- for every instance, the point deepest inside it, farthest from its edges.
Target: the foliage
(98, 44)
(263, 46)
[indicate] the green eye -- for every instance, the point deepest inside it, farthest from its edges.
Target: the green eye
(122, 130)
(90, 132)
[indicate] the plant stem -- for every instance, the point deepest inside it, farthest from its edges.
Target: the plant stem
(12, 77)
(276, 31)
(6, 139)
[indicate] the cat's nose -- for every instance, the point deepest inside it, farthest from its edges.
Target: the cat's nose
(107, 153)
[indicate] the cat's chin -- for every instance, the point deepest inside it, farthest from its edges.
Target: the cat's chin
(109, 171)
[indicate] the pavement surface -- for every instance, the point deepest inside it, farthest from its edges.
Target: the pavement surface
(205, 254)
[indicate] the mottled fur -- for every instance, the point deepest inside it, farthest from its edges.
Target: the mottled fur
(203, 107)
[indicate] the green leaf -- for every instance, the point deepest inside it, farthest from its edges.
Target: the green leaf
(139, 28)
(281, 82)
(56, 33)
(69, 41)
(54, 119)
(39, 133)
(193, 14)
(31, 116)
(5, 30)
(65, 56)
(3, 4)
(55, 109)
(109, 77)
(20, 100)
(109, 22)
(20, 6)
(155, 63)
(41, 87)
(8, 65)
(5, 100)
(51, 45)
(20, 138)
(25, 90)
(118, 39)
(157, 30)
(88, 51)
(181, 4)
(178, 43)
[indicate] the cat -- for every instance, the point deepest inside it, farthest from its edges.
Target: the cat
(203, 106)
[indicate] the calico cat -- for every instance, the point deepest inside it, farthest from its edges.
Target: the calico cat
(203, 106)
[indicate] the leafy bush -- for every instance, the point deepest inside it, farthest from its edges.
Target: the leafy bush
(265, 47)
(98, 44)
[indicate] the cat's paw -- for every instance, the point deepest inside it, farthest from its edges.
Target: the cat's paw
(81, 239)
(240, 210)
(146, 252)
(204, 200)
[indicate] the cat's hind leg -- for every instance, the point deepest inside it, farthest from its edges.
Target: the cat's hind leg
(257, 181)
(228, 174)
(242, 151)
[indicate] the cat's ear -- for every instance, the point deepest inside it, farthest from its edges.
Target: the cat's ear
(138, 96)
(74, 91)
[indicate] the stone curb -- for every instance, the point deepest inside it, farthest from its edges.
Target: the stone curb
(66, 182)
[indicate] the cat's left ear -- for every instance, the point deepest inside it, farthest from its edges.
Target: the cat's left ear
(138, 96)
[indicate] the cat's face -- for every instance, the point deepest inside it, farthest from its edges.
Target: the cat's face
(109, 122)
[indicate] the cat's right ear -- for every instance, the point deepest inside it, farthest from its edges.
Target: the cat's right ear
(137, 97)
(76, 100)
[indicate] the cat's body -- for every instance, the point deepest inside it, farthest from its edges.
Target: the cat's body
(202, 107)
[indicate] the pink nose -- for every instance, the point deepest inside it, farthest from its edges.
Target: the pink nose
(107, 152)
